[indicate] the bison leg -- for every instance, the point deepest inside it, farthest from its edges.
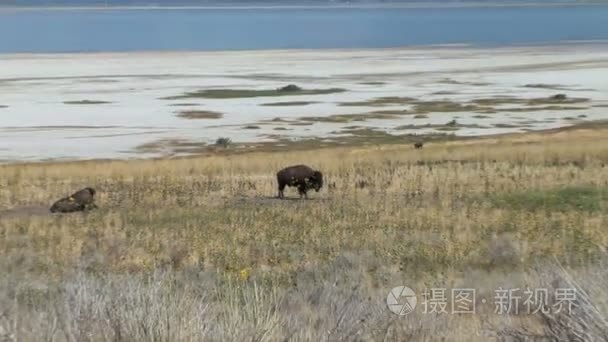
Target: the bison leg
(281, 189)
(90, 206)
(302, 191)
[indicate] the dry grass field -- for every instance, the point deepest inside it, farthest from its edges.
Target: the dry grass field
(199, 249)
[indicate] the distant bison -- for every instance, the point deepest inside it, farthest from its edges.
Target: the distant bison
(79, 201)
(300, 176)
(559, 97)
(418, 144)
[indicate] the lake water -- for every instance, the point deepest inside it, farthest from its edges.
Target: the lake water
(237, 29)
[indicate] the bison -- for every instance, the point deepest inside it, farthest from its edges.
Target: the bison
(418, 144)
(300, 176)
(79, 201)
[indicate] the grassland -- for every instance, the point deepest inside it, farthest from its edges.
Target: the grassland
(198, 248)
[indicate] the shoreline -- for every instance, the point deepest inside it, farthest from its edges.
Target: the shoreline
(190, 100)
(301, 7)
(586, 43)
(586, 126)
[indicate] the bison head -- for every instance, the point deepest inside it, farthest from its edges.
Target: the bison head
(316, 181)
(91, 191)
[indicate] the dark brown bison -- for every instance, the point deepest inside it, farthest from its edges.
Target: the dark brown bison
(79, 201)
(300, 176)
(559, 97)
(418, 144)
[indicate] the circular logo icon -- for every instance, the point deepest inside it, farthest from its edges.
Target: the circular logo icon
(401, 300)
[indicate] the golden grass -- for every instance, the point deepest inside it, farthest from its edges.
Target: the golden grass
(217, 213)
(473, 213)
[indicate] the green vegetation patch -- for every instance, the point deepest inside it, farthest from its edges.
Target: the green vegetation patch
(184, 104)
(582, 198)
(448, 128)
(506, 125)
(549, 86)
(343, 118)
(245, 93)
(536, 109)
(445, 106)
(380, 101)
(451, 81)
(373, 83)
(199, 114)
(554, 99)
(451, 125)
(301, 123)
(289, 103)
(483, 105)
(86, 102)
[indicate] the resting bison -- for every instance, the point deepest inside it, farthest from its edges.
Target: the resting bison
(300, 176)
(418, 145)
(79, 201)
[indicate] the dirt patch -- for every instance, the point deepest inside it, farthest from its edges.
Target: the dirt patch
(294, 199)
(25, 211)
